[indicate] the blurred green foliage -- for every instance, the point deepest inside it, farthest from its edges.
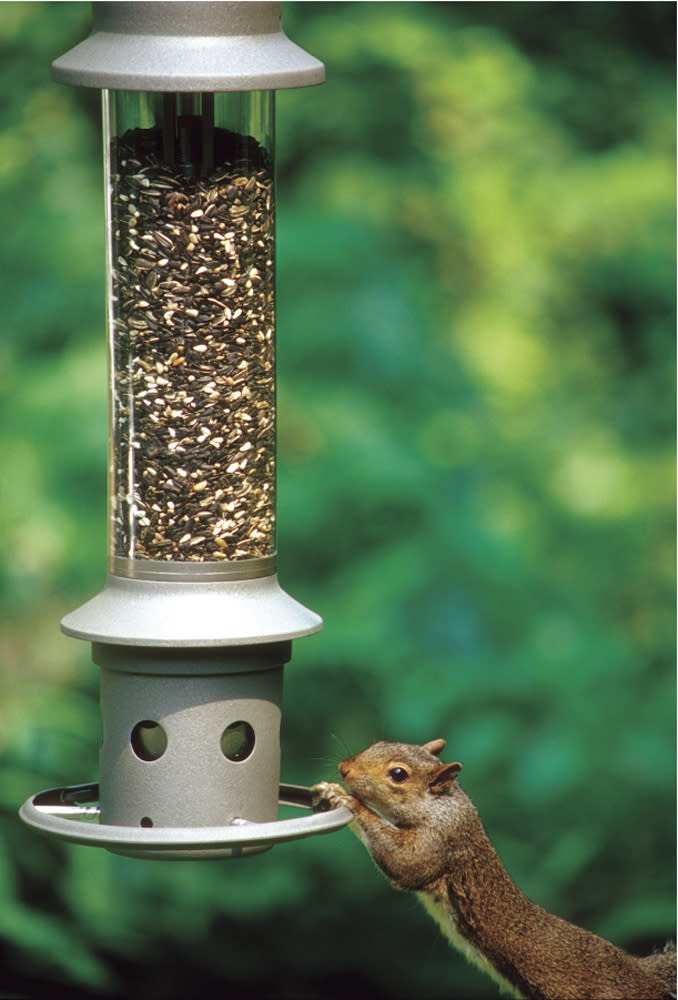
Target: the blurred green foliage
(476, 257)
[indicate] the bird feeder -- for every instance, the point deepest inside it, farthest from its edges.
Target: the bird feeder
(192, 630)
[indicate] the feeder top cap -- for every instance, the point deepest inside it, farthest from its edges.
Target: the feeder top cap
(185, 47)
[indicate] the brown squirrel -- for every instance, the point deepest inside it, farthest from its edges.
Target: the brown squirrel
(424, 833)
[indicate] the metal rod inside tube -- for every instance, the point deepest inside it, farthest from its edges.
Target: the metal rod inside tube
(207, 120)
(168, 128)
(188, 132)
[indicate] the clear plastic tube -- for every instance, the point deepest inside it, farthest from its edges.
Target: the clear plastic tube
(191, 316)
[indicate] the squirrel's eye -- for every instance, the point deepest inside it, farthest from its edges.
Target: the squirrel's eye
(398, 774)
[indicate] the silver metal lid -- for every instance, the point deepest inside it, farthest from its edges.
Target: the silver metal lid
(195, 46)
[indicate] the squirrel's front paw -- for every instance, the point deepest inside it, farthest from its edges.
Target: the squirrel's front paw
(328, 795)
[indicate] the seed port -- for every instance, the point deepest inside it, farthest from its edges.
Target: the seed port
(146, 822)
(148, 740)
(237, 741)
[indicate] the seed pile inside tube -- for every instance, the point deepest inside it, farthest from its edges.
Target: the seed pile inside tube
(193, 468)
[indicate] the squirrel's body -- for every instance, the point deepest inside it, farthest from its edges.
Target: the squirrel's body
(426, 836)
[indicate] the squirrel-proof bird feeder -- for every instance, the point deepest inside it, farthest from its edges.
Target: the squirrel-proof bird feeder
(192, 629)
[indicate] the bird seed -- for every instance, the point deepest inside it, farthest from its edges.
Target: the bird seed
(193, 354)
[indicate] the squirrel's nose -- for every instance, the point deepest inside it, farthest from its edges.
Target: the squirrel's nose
(344, 768)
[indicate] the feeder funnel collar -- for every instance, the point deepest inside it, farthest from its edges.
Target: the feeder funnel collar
(188, 47)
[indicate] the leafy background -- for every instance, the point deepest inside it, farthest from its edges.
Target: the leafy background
(476, 480)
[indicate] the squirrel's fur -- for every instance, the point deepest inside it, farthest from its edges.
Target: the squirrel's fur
(424, 833)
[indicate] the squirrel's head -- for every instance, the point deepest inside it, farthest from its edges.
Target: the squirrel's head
(399, 780)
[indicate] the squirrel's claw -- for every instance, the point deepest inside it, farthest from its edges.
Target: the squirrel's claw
(328, 795)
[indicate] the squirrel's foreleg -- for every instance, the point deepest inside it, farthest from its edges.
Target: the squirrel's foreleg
(387, 843)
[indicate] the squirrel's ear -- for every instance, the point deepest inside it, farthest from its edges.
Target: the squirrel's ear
(434, 746)
(443, 778)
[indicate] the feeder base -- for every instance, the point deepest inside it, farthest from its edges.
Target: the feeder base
(72, 814)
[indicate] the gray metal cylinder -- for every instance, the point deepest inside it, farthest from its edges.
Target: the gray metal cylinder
(190, 738)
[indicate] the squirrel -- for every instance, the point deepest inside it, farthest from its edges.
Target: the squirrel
(424, 833)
